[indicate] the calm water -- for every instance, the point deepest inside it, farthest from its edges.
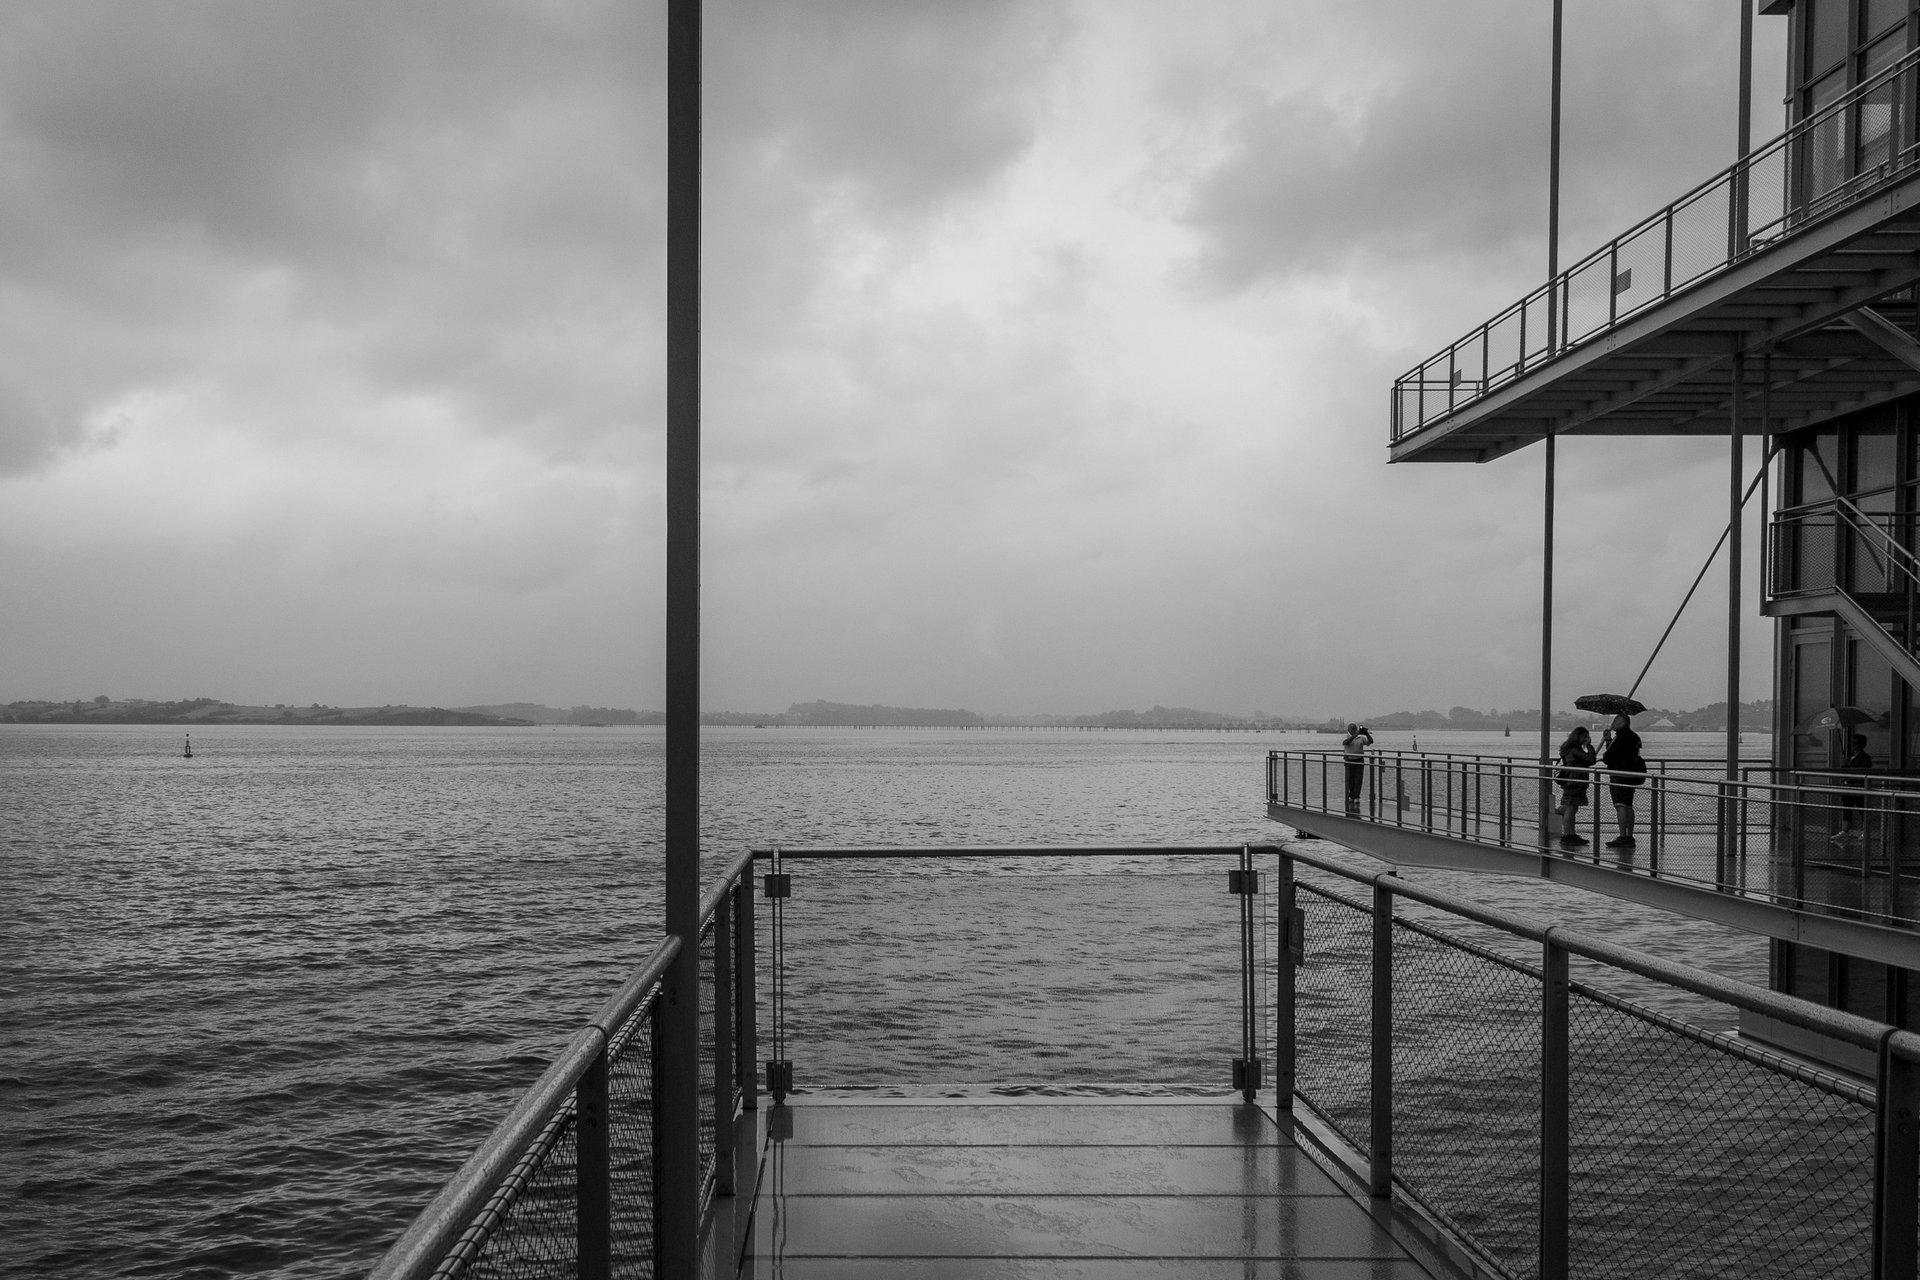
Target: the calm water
(258, 1004)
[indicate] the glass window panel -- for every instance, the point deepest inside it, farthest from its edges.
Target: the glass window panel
(1809, 979)
(1879, 112)
(1865, 988)
(1812, 694)
(1825, 142)
(1882, 14)
(1873, 460)
(1872, 691)
(1816, 464)
(1827, 37)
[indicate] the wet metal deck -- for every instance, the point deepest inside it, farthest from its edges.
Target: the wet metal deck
(1056, 1188)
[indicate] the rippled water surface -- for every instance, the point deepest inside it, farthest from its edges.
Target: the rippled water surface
(258, 1004)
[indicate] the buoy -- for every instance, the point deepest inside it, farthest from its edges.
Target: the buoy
(188, 753)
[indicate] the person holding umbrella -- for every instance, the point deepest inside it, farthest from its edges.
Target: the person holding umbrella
(1620, 753)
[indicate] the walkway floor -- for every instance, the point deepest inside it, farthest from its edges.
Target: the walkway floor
(1019, 1188)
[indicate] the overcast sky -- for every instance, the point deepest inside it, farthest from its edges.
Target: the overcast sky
(1048, 349)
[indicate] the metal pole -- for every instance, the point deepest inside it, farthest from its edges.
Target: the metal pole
(679, 1097)
(1736, 466)
(1285, 1044)
(1380, 1171)
(593, 1200)
(1546, 558)
(1555, 1089)
(1743, 191)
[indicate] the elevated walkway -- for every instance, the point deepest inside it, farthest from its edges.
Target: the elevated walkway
(1124, 1189)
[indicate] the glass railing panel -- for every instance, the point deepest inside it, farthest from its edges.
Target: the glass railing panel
(928, 976)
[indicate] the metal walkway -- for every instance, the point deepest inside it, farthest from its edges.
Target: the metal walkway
(1118, 1188)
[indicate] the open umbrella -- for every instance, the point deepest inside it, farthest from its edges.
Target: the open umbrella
(1840, 718)
(1610, 704)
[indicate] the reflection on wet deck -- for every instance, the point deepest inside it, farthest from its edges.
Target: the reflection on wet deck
(1058, 1188)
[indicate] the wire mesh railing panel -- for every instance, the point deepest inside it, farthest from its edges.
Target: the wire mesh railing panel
(1681, 1149)
(633, 1138)
(1466, 1091)
(709, 1133)
(958, 976)
(1332, 997)
(537, 1233)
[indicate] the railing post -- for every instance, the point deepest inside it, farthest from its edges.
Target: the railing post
(1246, 1068)
(1380, 1173)
(723, 1047)
(593, 1204)
(1896, 1190)
(1554, 1123)
(1293, 947)
(746, 948)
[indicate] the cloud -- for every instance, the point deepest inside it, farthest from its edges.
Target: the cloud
(1046, 345)
(1393, 132)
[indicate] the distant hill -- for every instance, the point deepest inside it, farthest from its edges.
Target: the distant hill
(192, 711)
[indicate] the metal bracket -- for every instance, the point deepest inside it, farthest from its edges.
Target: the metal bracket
(1247, 1073)
(779, 884)
(779, 1079)
(1243, 880)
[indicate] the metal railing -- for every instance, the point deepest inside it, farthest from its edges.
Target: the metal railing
(1552, 1103)
(1488, 1069)
(1837, 546)
(1844, 844)
(567, 1185)
(1831, 159)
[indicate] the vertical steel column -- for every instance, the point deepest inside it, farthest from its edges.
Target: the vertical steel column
(593, 1203)
(678, 1186)
(1896, 1187)
(1553, 272)
(1292, 950)
(1736, 466)
(724, 1096)
(1555, 1072)
(1380, 1173)
(746, 956)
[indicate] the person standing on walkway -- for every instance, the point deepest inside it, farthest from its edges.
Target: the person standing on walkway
(1620, 753)
(1576, 773)
(1355, 746)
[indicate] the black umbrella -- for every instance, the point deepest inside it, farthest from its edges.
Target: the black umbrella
(1841, 718)
(1610, 704)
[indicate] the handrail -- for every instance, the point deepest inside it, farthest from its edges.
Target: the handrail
(1743, 240)
(821, 852)
(447, 1216)
(1847, 1027)
(1527, 766)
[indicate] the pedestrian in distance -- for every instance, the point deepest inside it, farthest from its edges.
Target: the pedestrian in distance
(1576, 774)
(1620, 753)
(1852, 804)
(1355, 745)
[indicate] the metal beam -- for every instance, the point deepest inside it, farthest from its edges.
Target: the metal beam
(1886, 335)
(1407, 848)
